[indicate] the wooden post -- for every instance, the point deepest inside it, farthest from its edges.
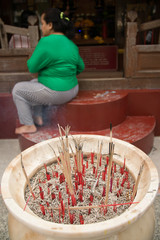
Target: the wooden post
(3, 35)
(33, 35)
(130, 54)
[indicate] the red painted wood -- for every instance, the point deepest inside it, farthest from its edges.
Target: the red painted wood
(93, 110)
(144, 102)
(8, 116)
(136, 130)
(99, 57)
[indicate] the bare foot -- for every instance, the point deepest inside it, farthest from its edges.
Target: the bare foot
(26, 129)
(38, 120)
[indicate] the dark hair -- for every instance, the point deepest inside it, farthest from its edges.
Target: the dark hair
(24, 17)
(60, 22)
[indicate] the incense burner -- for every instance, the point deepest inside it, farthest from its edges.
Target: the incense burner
(138, 219)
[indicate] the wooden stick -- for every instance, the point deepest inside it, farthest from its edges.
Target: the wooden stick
(110, 132)
(66, 131)
(73, 156)
(99, 154)
(137, 181)
(78, 147)
(64, 156)
(27, 179)
(66, 174)
(61, 138)
(96, 206)
(111, 149)
(65, 159)
(94, 185)
(56, 157)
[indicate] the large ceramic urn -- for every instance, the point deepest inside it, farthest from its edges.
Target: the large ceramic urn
(137, 222)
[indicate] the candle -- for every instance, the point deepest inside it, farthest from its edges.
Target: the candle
(81, 196)
(42, 195)
(107, 160)
(86, 164)
(53, 196)
(128, 185)
(61, 178)
(81, 219)
(104, 192)
(100, 161)
(56, 173)
(103, 176)
(106, 168)
(71, 217)
(92, 158)
(73, 200)
(94, 169)
(42, 209)
(48, 176)
(91, 197)
(60, 195)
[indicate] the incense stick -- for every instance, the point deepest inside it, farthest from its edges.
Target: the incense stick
(111, 149)
(28, 182)
(137, 181)
(110, 132)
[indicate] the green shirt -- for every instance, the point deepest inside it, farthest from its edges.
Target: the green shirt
(57, 61)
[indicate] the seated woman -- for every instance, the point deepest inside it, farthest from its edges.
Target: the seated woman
(57, 61)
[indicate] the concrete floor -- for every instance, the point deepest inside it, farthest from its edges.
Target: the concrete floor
(9, 148)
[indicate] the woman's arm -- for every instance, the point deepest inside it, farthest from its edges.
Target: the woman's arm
(39, 58)
(80, 66)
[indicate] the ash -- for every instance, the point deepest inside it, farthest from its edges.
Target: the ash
(53, 201)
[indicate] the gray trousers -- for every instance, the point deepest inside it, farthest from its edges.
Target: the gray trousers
(30, 97)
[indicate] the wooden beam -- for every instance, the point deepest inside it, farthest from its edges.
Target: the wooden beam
(149, 25)
(16, 52)
(16, 30)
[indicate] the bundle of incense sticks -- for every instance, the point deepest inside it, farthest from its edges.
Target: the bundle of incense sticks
(74, 175)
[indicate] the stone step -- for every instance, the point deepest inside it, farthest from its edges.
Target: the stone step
(91, 110)
(137, 130)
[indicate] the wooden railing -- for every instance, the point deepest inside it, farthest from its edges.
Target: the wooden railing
(141, 61)
(13, 61)
(31, 32)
